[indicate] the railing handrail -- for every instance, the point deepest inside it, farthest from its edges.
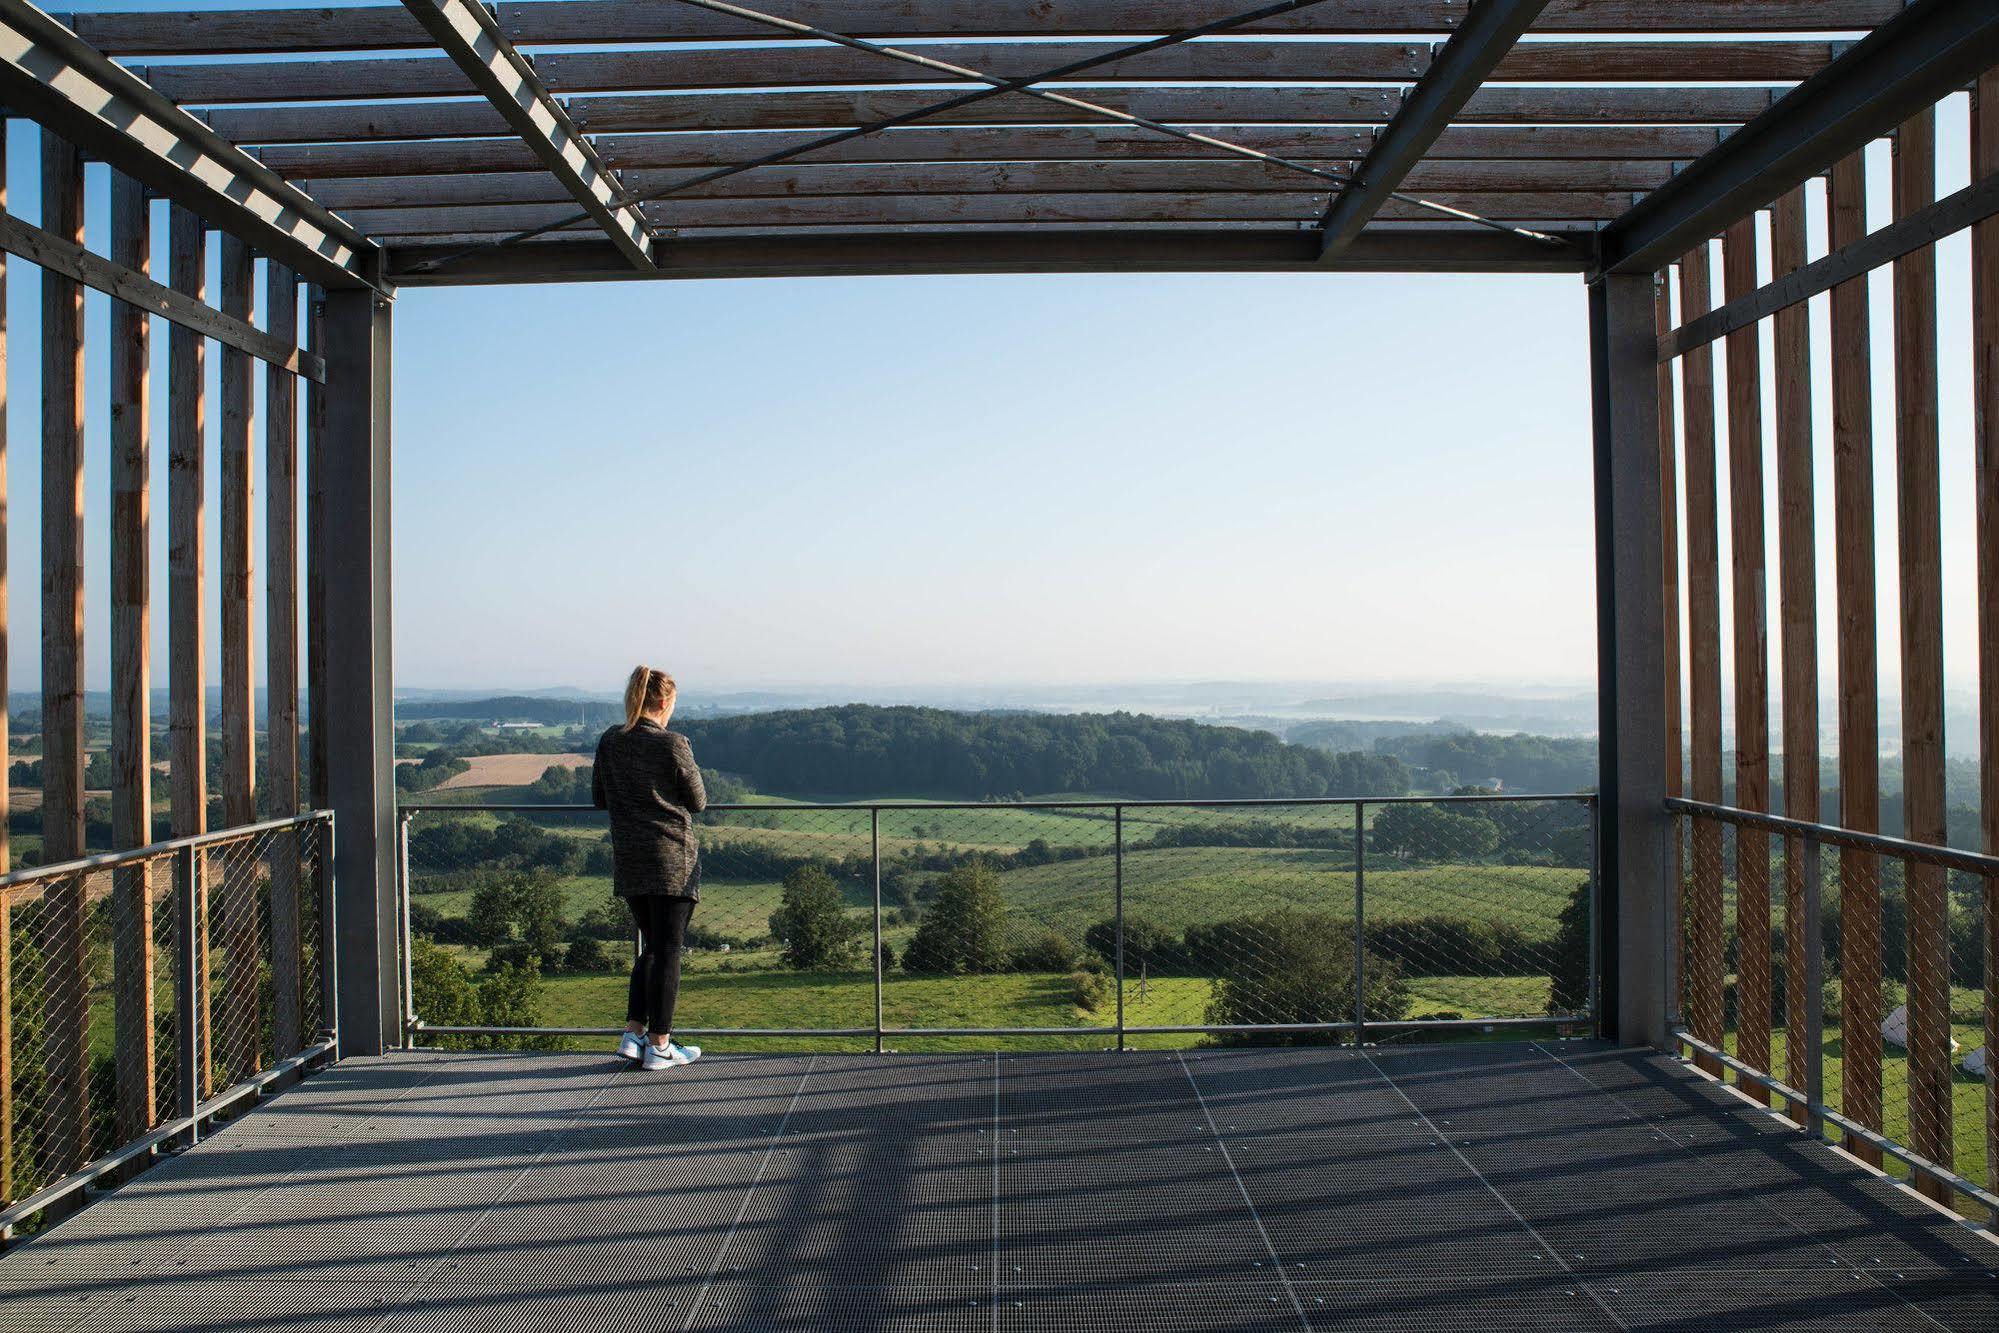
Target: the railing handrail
(1585, 798)
(153, 850)
(1977, 863)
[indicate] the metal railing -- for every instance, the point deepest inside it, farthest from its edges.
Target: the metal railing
(145, 993)
(1103, 922)
(1771, 939)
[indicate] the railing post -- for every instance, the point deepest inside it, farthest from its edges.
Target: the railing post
(1595, 895)
(187, 986)
(1669, 856)
(329, 936)
(1359, 924)
(1814, 997)
(875, 865)
(403, 818)
(1117, 909)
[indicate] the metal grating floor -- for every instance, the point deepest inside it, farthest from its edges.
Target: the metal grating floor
(1479, 1187)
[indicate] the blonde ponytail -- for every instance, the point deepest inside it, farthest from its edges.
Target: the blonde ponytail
(647, 691)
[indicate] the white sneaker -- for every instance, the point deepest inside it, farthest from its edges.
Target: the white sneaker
(631, 1046)
(669, 1055)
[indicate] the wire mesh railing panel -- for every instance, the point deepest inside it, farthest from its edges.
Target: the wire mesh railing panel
(999, 918)
(1899, 943)
(1244, 916)
(1484, 910)
(96, 996)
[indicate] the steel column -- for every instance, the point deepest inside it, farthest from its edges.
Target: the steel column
(353, 556)
(875, 874)
(1359, 924)
(1631, 681)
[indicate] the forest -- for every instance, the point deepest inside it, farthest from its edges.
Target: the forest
(863, 750)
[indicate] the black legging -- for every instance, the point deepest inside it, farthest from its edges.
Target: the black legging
(662, 922)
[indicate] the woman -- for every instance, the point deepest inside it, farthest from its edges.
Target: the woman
(646, 778)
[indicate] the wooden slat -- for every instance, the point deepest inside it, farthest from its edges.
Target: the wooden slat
(131, 660)
(6, 794)
(1669, 534)
(389, 27)
(1704, 964)
(1021, 143)
(1797, 560)
(819, 66)
(814, 180)
(1918, 513)
(1751, 658)
(1052, 208)
(1985, 446)
(237, 1030)
(1859, 702)
(187, 580)
(621, 113)
(67, 1001)
(281, 644)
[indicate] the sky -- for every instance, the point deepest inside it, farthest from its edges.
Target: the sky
(933, 481)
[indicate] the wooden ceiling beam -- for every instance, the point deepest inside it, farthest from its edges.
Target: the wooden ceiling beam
(389, 27)
(1209, 107)
(820, 66)
(867, 180)
(975, 144)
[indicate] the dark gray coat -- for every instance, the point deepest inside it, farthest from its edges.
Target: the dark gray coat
(648, 781)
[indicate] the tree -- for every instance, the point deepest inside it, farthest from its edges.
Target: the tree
(812, 924)
(441, 986)
(1430, 833)
(1297, 967)
(1568, 970)
(516, 907)
(964, 929)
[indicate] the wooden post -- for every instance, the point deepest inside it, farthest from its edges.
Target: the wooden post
(131, 680)
(1751, 645)
(1859, 702)
(281, 635)
(1918, 506)
(68, 1000)
(1985, 428)
(238, 910)
(1669, 536)
(6, 795)
(315, 559)
(187, 578)
(1704, 982)
(1797, 559)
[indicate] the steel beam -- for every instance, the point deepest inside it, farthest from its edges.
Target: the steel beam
(1633, 928)
(1928, 51)
(470, 37)
(1457, 69)
(50, 75)
(351, 553)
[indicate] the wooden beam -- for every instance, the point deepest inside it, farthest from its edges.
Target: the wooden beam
(187, 579)
(1797, 560)
(1751, 659)
(1859, 699)
(1669, 571)
(48, 74)
(63, 759)
(995, 178)
(1918, 513)
(131, 661)
(1705, 955)
(470, 36)
(1093, 144)
(281, 783)
(1926, 227)
(134, 288)
(389, 27)
(1461, 66)
(236, 1030)
(1985, 446)
(661, 112)
(316, 556)
(822, 66)
(1299, 209)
